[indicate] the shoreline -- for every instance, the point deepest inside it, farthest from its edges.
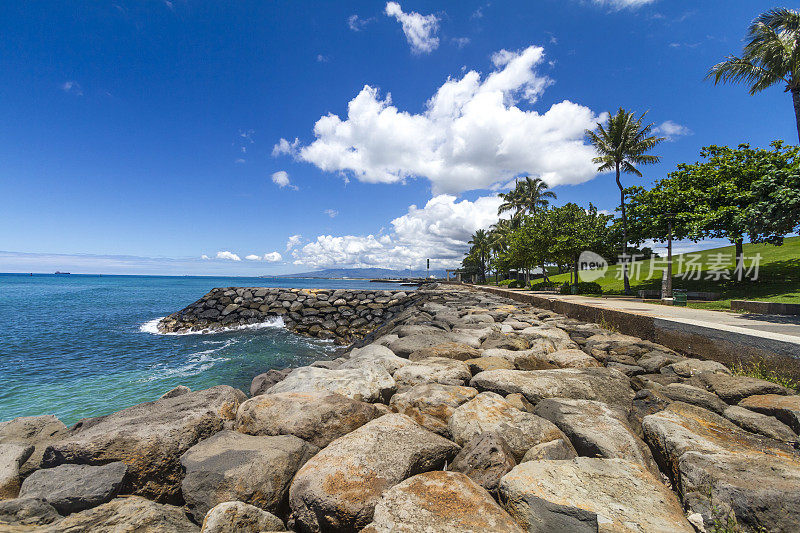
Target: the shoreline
(520, 403)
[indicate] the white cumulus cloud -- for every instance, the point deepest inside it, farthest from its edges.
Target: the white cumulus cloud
(420, 30)
(281, 179)
(471, 135)
(670, 130)
(230, 256)
(253, 257)
(439, 231)
(293, 241)
(272, 257)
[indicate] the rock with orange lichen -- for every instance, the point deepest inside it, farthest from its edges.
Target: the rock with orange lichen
(337, 489)
(233, 466)
(431, 404)
(586, 495)
(149, 438)
(317, 417)
(490, 412)
(713, 462)
(440, 502)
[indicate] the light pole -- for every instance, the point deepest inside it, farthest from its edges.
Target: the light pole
(666, 289)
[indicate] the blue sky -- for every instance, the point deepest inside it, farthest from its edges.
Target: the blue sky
(140, 136)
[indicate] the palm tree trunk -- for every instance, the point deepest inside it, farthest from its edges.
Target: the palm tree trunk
(739, 259)
(796, 101)
(626, 281)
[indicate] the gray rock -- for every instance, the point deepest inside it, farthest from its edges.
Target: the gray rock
(73, 488)
(489, 412)
(733, 389)
(479, 364)
(431, 404)
(589, 495)
(149, 438)
(369, 383)
(655, 361)
(26, 512)
(559, 449)
(628, 370)
(316, 417)
(240, 517)
(131, 514)
(506, 342)
(706, 454)
(596, 430)
(12, 456)
(37, 431)
(337, 489)
(439, 502)
(485, 459)
(689, 367)
(262, 382)
(233, 466)
(433, 370)
(449, 350)
(681, 392)
(405, 346)
(601, 384)
(571, 359)
(784, 408)
(374, 354)
(758, 423)
(177, 391)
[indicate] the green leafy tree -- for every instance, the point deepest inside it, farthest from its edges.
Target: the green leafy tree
(621, 144)
(771, 56)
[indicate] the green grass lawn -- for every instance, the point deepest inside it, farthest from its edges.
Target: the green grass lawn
(778, 275)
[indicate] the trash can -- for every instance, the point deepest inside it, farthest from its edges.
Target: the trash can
(679, 297)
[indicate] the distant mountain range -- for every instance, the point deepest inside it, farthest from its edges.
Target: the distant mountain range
(368, 273)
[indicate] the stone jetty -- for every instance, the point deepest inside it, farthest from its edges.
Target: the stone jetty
(452, 411)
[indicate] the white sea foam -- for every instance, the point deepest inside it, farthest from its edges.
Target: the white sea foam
(197, 363)
(151, 326)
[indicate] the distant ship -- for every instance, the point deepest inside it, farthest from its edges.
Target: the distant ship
(59, 273)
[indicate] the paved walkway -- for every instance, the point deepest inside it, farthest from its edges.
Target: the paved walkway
(784, 329)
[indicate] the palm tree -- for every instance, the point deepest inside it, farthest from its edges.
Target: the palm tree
(480, 245)
(528, 196)
(771, 55)
(622, 143)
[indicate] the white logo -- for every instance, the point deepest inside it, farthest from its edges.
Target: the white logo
(591, 266)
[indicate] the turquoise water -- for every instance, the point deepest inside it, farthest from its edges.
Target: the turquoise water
(78, 346)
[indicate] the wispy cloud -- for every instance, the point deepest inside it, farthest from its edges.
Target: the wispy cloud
(281, 179)
(356, 23)
(72, 87)
(420, 30)
(331, 212)
(623, 4)
(322, 59)
(672, 130)
(461, 42)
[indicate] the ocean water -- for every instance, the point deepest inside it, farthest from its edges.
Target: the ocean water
(77, 346)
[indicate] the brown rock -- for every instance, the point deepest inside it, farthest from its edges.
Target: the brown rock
(431, 404)
(485, 459)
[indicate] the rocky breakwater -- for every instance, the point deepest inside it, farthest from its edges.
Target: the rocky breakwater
(465, 412)
(340, 315)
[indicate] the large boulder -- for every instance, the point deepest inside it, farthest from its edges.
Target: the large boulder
(757, 423)
(37, 431)
(25, 513)
(485, 459)
(601, 384)
(711, 459)
(133, 514)
(374, 354)
(12, 457)
(450, 350)
(531, 359)
(262, 382)
(681, 392)
(240, 517)
(405, 346)
(233, 466)
(490, 412)
(571, 358)
(439, 502)
(431, 404)
(433, 370)
(149, 438)
(784, 408)
(316, 417)
(733, 389)
(73, 488)
(690, 367)
(589, 495)
(596, 430)
(337, 489)
(370, 383)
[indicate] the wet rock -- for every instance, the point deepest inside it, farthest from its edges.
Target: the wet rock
(706, 454)
(374, 354)
(240, 517)
(589, 495)
(132, 514)
(233, 466)
(433, 370)
(439, 502)
(262, 382)
(784, 408)
(316, 417)
(431, 404)
(689, 367)
(449, 350)
(733, 389)
(485, 459)
(12, 456)
(757, 423)
(596, 430)
(365, 384)
(479, 364)
(26, 512)
(489, 412)
(37, 431)
(558, 449)
(681, 392)
(73, 488)
(601, 384)
(149, 438)
(337, 489)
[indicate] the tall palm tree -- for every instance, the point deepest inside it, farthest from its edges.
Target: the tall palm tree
(528, 196)
(620, 144)
(480, 245)
(771, 55)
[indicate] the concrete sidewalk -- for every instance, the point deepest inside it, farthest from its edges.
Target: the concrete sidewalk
(727, 337)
